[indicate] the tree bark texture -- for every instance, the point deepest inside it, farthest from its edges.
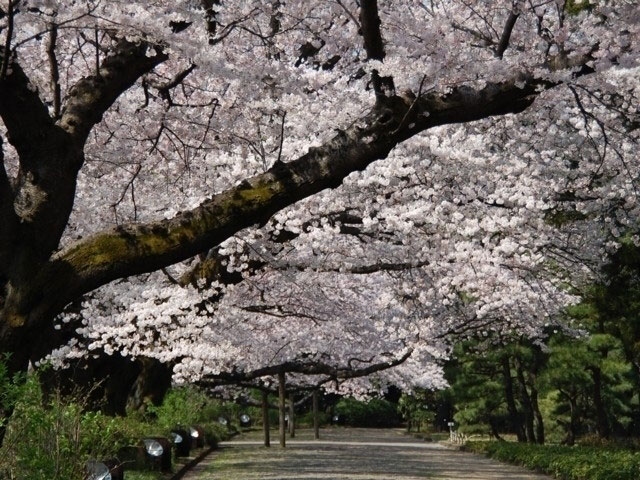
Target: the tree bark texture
(282, 395)
(292, 416)
(514, 415)
(316, 420)
(602, 422)
(525, 400)
(265, 418)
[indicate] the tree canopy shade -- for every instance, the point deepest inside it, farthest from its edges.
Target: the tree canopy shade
(140, 135)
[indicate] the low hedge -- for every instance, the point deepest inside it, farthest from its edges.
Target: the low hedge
(566, 463)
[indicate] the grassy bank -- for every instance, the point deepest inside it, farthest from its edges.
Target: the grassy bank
(566, 463)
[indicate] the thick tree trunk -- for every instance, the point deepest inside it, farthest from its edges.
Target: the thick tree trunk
(514, 415)
(537, 413)
(573, 421)
(494, 430)
(602, 422)
(316, 420)
(265, 418)
(282, 408)
(292, 416)
(151, 385)
(538, 362)
(526, 403)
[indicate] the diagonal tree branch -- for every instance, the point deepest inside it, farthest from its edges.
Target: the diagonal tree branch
(135, 249)
(310, 367)
(92, 96)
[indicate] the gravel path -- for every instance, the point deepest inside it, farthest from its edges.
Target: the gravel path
(350, 454)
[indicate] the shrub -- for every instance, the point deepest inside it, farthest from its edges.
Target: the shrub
(374, 413)
(181, 406)
(566, 463)
(215, 433)
(307, 418)
(52, 438)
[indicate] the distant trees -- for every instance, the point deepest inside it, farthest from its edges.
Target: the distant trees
(579, 382)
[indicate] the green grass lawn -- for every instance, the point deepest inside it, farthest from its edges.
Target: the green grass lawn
(566, 463)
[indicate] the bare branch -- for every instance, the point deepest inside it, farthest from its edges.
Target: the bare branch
(349, 14)
(305, 367)
(53, 70)
(7, 43)
(284, 117)
(165, 89)
(503, 44)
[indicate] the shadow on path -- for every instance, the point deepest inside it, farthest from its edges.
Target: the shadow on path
(350, 454)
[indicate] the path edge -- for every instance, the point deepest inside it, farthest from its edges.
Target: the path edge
(192, 463)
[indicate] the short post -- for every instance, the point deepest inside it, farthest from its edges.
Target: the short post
(292, 416)
(316, 421)
(451, 434)
(282, 408)
(265, 418)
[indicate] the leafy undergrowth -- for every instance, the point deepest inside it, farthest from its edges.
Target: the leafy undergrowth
(143, 476)
(566, 463)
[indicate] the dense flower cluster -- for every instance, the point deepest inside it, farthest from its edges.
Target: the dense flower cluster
(486, 226)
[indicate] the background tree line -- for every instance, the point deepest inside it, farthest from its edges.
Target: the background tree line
(579, 381)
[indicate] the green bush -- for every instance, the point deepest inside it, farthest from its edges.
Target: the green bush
(52, 438)
(374, 413)
(214, 433)
(566, 463)
(181, 406)
(306, 419)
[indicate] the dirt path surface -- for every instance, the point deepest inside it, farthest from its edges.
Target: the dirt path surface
(350, 454)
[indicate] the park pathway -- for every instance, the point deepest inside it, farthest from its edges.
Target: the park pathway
(350, 454)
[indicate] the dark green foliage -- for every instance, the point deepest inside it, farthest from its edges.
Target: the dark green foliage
(418, 409)
(477, 389)
(574, 7)
(559, 218)
(566, 463)
(374, 413)
(306, 419)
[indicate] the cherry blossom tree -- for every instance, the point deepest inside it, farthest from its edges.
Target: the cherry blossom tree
(141, 135)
